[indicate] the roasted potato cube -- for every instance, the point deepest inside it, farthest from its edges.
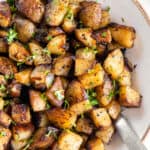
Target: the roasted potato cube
(95, 144)
(62, 65)
(114, 63)
(81, 107)
(21, 114)
(5, 14)
(55, 12)
(84, 35)
(103, 92)
(57, 45)
(19, 53)
(129, 97)
(3, 33)
(18, 145)
(32, 9)
(7, 67)
(64, 119)
(103, 36)
(105, 134)
(25, 29)
(75, 92)
(69, 140)
(5, 135)
(114, 45)
(100, 117)
(44, 137)
(101, 48)
(114, 109)
(84, 125)
(23, 77)
(90, 14)
(37, 100)
(5, 119)
(56, 93)
(125, 78)
(41, 77)
(124, 35)
(22, 132)
(2, 102)
(54, 31)
(3, 46)
(40, 56)
(93, 78)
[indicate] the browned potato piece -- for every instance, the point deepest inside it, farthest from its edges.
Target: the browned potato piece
(114, 45)
(25, 29)
(114, 109)
(5, 120)
(32, 9)
(2, 102)
(95, 144)
(23, 77)
(125, 78)
(100, 49)
(18, 145)
(57, 45)
(40, 56)
(4, 138)
(56, 93)
(5, 14)
(105, 18)
(55, 12)
(3, 46)
(65, 82)
(75, 92)
(7, 67)
(84, 125)
(21, 114)
(103, 92)
(43, 138)
(62, 65)
(129, 97)
(64, 119)
(114, 63)
(41, 77)
(84, 35)
(90, 14)
(100, 117)
(103, 36)
(69, 140)
(22, 132)
(105, 134)
(3, 33)
(81, 107)
(37, 101)
(19, 53)
(93, 78)
(85, 138)
(127, 40)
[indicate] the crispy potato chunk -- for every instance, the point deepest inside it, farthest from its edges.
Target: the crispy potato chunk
(84, 35)
(22, 132)
(124, 35)
(129, 97)
(100, 117)
(56, 93)
(21, 114)
(3, 33)
(57, 45)
(114, 63)
(90, 14)
(95, 144)
(32, 9)
(38, 103)
(25, 29)
(5, 119)
(4, 138)
(105, 134)
(69, 140)
(54, 31)
(7, 67)
(64, 119)
(114, 45)
(23, 77)
(93, 78)
(55, 12)
(2, 102)
(62, 65)
(18, 145)
(3, 46)
(5, 14)
(75, 92)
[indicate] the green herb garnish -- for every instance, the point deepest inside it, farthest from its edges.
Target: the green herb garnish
(12, 35)
(2, 88)
(46, 52)
(104, 34)
(2, 133)
(59, 94)
(66, 104)
(51, 133)
(69, 15)
(20, 63)
(30, 141)
(12, 5)
(108, 8)
(9, 76)
(43, 96)
(49, 37)
(48, 106)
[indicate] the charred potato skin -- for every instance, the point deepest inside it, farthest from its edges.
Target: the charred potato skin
(33, 10)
